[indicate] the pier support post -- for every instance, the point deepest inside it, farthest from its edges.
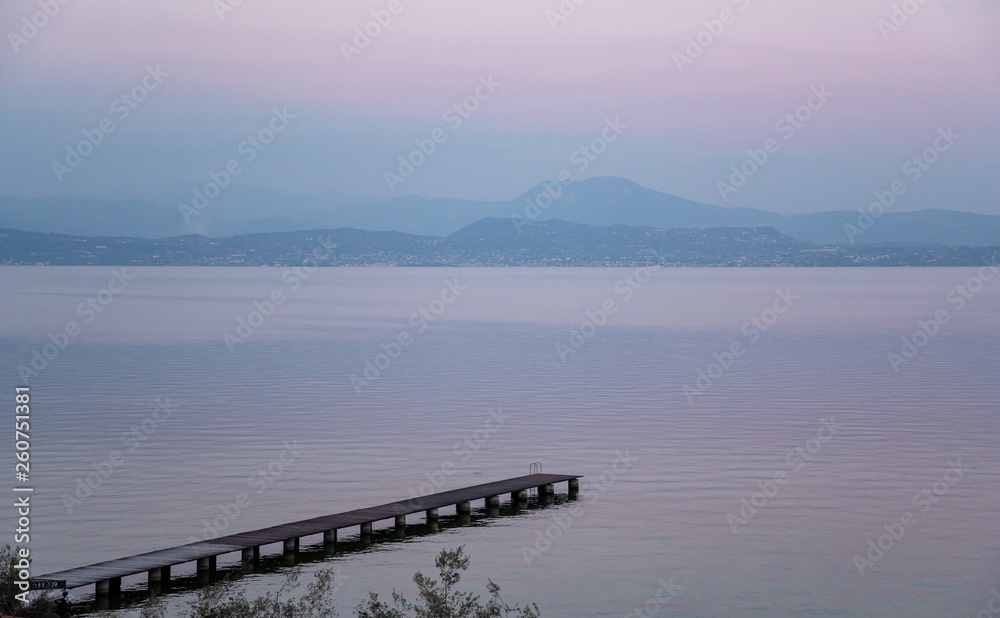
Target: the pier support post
(574, 485)
(432, 514)
(330, 537)
(103, 587)
(102, 603)
(519, 496)
(463, 507)
(366, 529)
(400, 523)
(251, 555)
(159, 576)
(291, 546)
(206, 565)
(492, 500)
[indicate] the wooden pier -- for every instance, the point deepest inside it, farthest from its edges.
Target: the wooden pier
(107, 575)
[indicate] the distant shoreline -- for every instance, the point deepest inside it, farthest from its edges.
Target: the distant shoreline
(489, 243)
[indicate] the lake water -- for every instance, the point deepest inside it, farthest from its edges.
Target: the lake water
(752, 488)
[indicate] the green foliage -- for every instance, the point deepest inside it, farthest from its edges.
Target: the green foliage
(42, 606)
(440, 599)
(154, 608)
(222, 600)
(8, 604)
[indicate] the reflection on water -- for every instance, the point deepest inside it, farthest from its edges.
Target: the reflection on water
(699, 461)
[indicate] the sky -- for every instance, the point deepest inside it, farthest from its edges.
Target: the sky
(318, 102)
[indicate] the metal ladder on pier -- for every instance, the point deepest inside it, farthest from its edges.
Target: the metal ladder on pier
(534, 468)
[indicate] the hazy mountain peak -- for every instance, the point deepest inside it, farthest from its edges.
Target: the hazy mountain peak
(603, 187)
(599, 201)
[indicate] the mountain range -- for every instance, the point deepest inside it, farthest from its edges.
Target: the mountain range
(602, 201)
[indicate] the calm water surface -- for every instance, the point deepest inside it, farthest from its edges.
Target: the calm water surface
(675, 514)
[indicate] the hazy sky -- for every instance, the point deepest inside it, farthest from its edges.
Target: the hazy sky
(543, 83)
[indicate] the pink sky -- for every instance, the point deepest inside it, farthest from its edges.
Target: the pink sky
(558, 85)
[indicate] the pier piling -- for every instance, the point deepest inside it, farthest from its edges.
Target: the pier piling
(106, 576)
(206, 565)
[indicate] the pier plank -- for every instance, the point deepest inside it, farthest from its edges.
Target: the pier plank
(131, 565)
